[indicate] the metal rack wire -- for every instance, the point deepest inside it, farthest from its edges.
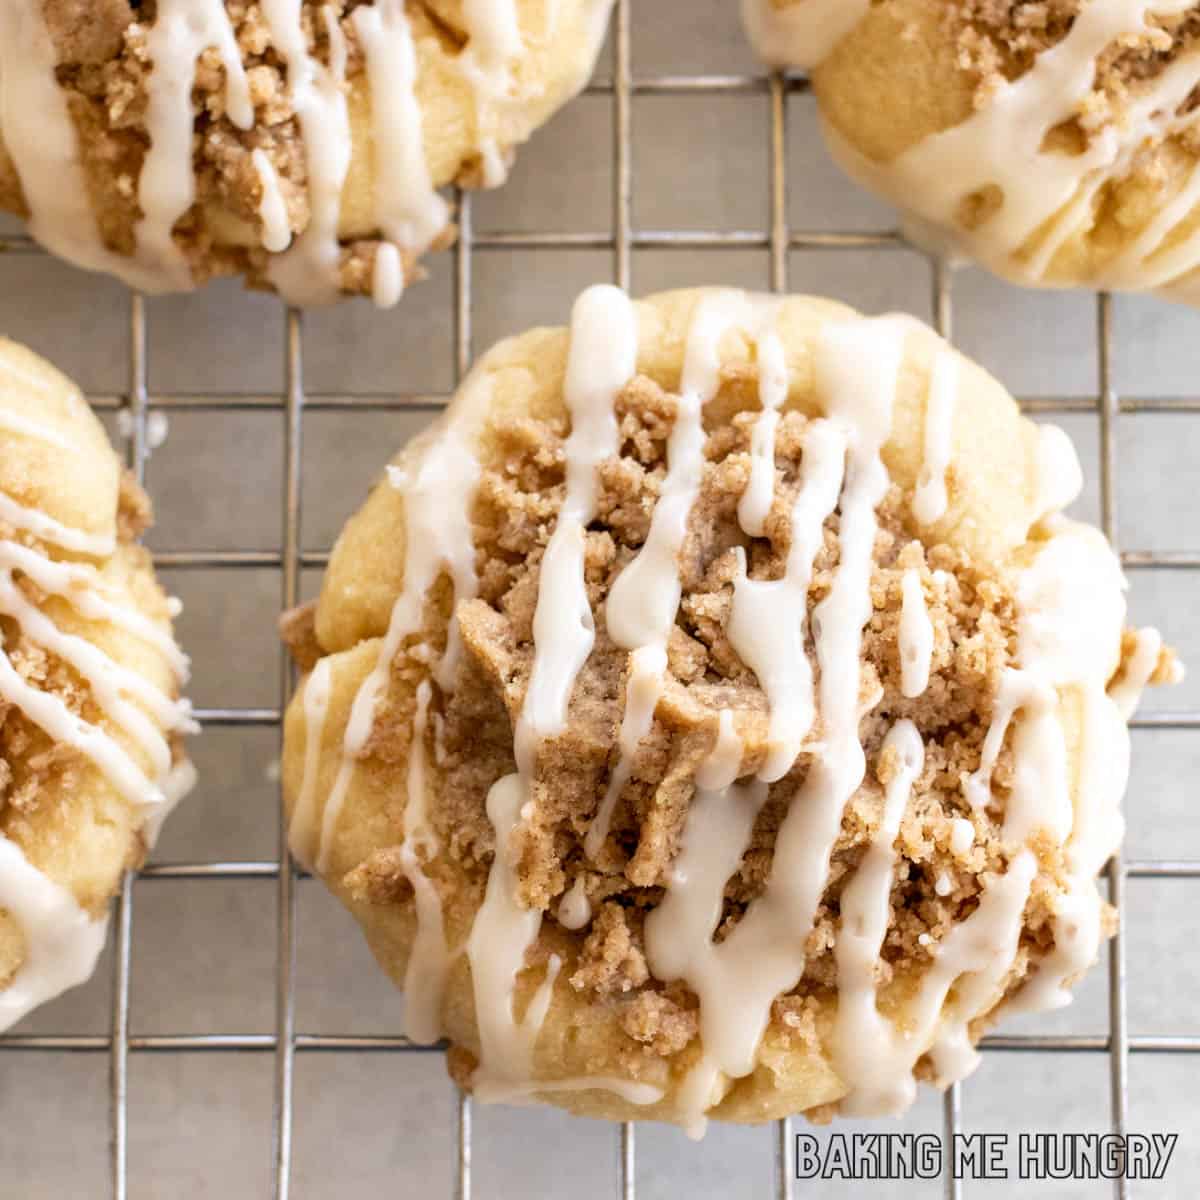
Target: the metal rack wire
(621, 240)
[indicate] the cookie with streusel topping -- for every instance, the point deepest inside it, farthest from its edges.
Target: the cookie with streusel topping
(90, 720)
(1054, 141)
(301, 145)
(713, 714)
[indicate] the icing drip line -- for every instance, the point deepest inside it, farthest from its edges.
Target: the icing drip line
(437, 539)
(1073, 615)
(768, 620)
(62, 941)
(1128, 690)
(429, 960)
(502, 934)
(601, 360)
(46, 529)
(916, 636)
(308, 273)
(18, 423)
(493, 42)
(862, 1037)
(40, 137)
(408, 209)
(272, 211)
(575, 909)
(81, 586)
(182, 31)
(1049, 196)
(644, 598)
(737, 980)
(755, 503)
(316, 710)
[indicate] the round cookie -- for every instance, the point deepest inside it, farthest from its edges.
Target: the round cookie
(1055, 144)
(298, 143)
(713, 715)
(90, 720)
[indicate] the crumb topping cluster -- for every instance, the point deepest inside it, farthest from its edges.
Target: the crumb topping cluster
(938, 879)
(998, 40)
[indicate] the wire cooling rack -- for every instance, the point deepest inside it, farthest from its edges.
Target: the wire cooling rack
(621, 240)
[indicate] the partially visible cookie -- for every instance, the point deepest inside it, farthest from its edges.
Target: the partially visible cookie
(1058, 144)
(90, 715)
(298, 143)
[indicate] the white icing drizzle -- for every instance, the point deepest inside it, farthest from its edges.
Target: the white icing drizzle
(768, 621)
(929, 496)
(387, 274)
(916, 636)
(602, 359)
(862, 1037)
(62, 942)
(800, 34)
(1127, 691)
(679, 932)
(973, 958)
(856, 367)
(272, 210)
(1048, 195)
(109, 682)
(756, 500)
(1060, 477)
(503, 932)
(82, 586)
(182, 30)
(438, 491)
(575, 909)
(18, 423)
(308, 273)
(724, 763)
(429, 959)
(644, 598)
(493, 1091)
(408, 208)
(304, 814)
(41, 136)
(45, 528)
(501, 935)
(1073, 613)
(962, 835)
(493, 42)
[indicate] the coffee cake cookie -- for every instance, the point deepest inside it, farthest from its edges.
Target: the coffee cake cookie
(90, 719)
(1055, 141)
(298, 143)
(713, 714)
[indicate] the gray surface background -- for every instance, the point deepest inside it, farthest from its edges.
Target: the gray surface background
(204, 952)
